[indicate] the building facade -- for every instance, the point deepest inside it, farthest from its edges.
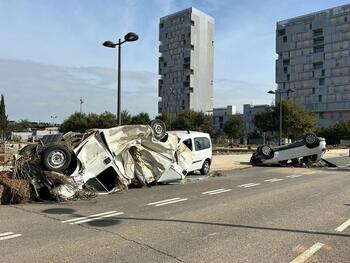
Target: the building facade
(221, 115)
(249, 112)
(186, 62)
(314, 60)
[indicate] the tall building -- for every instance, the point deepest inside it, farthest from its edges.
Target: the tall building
(221, 115)
(314, 60)
(186, 62)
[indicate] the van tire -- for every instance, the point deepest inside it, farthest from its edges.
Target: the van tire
(205, 167)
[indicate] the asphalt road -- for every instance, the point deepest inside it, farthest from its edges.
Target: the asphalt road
(252, 215)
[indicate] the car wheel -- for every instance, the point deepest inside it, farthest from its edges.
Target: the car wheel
(28, 150)
(206, 167)
(311, 140)
(267, 151)
(159, 129)
(56, 158)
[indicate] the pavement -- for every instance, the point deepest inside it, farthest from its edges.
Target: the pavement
(258, 214)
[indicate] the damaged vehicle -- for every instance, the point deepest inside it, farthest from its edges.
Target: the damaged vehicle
(306, 151)
(110, 160)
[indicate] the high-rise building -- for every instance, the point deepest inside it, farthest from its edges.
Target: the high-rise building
(186, 62)
(314, 60)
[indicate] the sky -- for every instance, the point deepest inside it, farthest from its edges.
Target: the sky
(51, 52)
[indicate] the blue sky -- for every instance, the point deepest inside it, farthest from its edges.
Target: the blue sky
(51, 52)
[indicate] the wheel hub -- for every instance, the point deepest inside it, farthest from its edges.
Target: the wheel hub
(56, 159)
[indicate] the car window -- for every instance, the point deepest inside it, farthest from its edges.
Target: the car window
(188, 143)
(201, 143)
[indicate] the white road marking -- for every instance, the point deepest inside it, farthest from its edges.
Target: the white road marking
(171, 202)
(166, 200)
(8, 235)
(272, 180)
(220, 192)
(213, 191)
(343, 226)
(294, 175)
(308, 253)
(87, 217)
(96, 218)
(247, 185)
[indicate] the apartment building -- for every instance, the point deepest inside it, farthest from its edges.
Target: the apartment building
(314, 61)
(221, 115)
(186, 62)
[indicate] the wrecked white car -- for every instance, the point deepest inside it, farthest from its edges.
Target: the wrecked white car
(308, 150)
(112, 159)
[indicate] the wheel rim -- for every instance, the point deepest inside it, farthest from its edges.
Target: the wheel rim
(310, 139)
(206, 167)
(56, 159)
(158, 129)
(266, 150)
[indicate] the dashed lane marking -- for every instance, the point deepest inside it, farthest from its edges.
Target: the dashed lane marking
(168, 201)
(308, 253)
(213, 191)
(220, 192)
(272, 180)
(8, 235)
(247, 185)
(343, 226)
(294, 175)
(80, 220)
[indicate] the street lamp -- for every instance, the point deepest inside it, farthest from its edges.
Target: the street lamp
(280, 100)
(129, 37)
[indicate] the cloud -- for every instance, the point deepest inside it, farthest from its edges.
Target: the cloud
(37, 91)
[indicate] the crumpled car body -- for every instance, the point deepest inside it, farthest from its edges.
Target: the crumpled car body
(112, 159)
(308, 150)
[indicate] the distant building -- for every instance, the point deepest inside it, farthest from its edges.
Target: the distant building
(33, 134)
(314, 60)
(249, 112)
(221, 115)
(186, 62)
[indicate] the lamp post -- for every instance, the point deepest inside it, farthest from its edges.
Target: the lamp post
(277, 92)
(129, 37)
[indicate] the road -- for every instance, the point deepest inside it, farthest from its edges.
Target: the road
(260, 214)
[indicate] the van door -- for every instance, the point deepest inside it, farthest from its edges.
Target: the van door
(202, 151)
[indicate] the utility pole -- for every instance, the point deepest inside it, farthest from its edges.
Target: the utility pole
(81, 105)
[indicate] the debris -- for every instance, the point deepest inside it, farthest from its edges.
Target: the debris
(82, 165)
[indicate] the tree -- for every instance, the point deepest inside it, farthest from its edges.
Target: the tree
(3, 119)
(192, 120)
(141, 118)
(296, 121)
(339, 131)
(107, 120)
(234, 127)
(22, 125)
(126, 117)
(77, 122)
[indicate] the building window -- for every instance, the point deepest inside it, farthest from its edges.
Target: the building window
(313, 90)
(184, 42)
(319, 40)
(285, 39)
(318, 49)
(286, 62)
(321, 115)
(161, 25)
(284, 85)
(192, 71)
(191, 90)
(323, 72)
(318, 32)
(192, 23)
(318, 65)
(281, 32)
(321, 82)
(288, 77)
(345, 19)
(192, 47)
(313, 74)
(285, 69)
(319, 98)
(165, 64)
